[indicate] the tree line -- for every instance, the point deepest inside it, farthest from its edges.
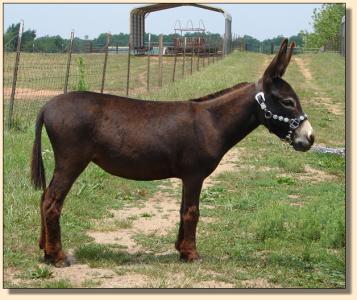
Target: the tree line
(31, 43)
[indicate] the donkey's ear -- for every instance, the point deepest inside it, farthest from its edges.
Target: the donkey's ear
(277, 66)
(288, 57)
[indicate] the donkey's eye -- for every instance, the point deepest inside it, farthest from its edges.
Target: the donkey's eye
(288, 102)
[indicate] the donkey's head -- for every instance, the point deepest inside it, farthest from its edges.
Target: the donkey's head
(281, 107)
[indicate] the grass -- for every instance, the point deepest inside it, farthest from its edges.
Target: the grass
(279, 218)
(46, 71)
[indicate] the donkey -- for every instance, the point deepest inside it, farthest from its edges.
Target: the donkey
(151, 140)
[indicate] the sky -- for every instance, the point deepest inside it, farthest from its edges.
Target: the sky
(261, 21)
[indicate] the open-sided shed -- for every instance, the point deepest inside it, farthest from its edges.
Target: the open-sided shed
(138, 14)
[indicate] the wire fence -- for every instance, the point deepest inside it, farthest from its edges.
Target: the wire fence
(32, 78)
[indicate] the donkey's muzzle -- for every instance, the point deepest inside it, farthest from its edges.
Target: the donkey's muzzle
(304, 137)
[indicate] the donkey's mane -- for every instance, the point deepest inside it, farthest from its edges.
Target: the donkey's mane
(219, 93)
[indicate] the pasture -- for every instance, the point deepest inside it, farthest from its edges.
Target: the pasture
(270, 217)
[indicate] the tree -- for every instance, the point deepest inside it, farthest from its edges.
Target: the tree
(327, 25)
(50, 44)
(10, 38)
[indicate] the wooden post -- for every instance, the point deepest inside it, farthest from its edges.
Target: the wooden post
(183, 57)
(148, 72)
(160, 59)
(105, 62)
(14, 77)
(128, 69)
(70, 47)
(272, 48)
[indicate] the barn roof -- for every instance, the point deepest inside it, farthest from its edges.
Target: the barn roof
(137, 20)
(161, 6)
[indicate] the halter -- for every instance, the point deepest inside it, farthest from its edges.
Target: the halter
(293, 123)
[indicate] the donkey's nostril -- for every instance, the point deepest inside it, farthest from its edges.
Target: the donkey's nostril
(311, 138)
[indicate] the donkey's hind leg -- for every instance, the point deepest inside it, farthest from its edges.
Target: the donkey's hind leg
(42, 241)
(62, 180)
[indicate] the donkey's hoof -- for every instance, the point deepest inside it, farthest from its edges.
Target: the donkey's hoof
(62, 263)
(190, 257)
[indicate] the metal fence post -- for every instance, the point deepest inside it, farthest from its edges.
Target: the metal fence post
(198, 53)
(183, 57)
(174, 68)
(14, 78)
(128, 70)
(68, 63)
(105, 62)
(160, 59)
(209, 51)
(193, 53)
(148, 72)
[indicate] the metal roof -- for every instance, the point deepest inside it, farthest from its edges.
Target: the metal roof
(137, 21)
(161, 6)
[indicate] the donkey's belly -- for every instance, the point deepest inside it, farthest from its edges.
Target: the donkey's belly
(136, 168)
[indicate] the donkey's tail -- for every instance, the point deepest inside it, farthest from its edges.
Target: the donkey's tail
(38, 177)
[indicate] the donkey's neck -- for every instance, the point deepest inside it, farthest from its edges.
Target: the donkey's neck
(234, 114)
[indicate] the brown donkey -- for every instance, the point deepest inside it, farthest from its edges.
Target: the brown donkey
(150, 140)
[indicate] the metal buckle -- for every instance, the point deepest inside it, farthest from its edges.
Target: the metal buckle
(294, 123)
(259, 97)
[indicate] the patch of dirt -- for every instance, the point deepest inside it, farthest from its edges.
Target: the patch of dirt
(121, 237)
(330, 106)
(303, 68)
(213, 284)
(294, 196)
(316, 175)
(12, 276)
(131, 280)
(208, 220)
(79, 274)
(26, 93)
(158, 216)
(258, 283)
(312, 175)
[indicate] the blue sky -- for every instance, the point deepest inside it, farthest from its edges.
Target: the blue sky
(258, 20)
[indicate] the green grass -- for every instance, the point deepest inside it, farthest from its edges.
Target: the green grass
(274, 219)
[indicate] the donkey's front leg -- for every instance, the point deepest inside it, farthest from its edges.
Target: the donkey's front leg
(189, 214)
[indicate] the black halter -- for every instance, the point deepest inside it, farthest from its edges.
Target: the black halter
(293, 123)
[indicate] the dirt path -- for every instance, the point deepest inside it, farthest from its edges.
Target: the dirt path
(303, 68)
(157, 216)
(30, 94)
(319, 97)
